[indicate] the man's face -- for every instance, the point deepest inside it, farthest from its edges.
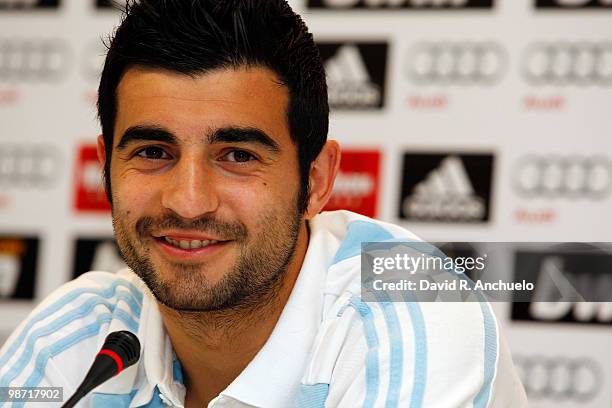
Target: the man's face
(205, 181)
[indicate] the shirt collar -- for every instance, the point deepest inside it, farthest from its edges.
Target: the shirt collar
(272, 378)
(155, 367)
(158, 361)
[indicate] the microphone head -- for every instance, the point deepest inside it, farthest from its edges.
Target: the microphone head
(120, 350)
(125, 345)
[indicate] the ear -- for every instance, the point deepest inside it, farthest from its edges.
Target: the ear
(323, 172)
(101, 151)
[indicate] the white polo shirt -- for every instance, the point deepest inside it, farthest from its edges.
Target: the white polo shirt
(328, 348)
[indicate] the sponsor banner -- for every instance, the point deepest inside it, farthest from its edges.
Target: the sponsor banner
(356, 74)
(578, 380)
(96, 254)
(446, 187)
(568, 63)
(357, 184)
(571, 275)
(33, 60)
(400, 4)
(573, 4)
(29, 166)
(89, 182)
(28, 4)
(18, 264)
(456, 63)
(563, 177)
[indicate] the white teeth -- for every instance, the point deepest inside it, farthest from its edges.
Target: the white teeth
(193, 244)
(171, 241)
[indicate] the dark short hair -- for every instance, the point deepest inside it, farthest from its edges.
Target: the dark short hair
(193, 37)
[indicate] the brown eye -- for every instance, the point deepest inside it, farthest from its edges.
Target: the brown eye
(153, 153)
(239, 156)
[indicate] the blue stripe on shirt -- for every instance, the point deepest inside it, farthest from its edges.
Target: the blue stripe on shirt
(101, 400)
(358, 232)
(490, 356)
(420, 352)
(312, 395)
(72, 315)
(63, 301)
(61, 345)
(56, 325)
(396, 363)
(372, 364)
(396, 347)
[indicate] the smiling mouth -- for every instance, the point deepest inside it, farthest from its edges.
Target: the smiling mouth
(190, 244)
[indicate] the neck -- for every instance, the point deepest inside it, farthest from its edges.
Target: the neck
(215, 347)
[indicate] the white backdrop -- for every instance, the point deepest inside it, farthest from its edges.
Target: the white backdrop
(463, 120)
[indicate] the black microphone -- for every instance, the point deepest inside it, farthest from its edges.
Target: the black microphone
(120, 350)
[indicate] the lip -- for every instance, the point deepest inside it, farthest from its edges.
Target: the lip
(186, 235)
(195, 254)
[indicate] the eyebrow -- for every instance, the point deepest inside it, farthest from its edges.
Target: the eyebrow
(146, 133)
(224, 135)
(244, 135)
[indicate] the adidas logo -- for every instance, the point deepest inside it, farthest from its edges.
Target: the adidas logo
(555, 296)
(445, 194)
(348, 81)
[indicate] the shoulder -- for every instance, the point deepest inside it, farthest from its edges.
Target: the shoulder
(373, 353)
(70, 323)
(349, 230)
(381, 353)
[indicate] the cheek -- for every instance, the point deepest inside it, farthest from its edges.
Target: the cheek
(257, 197)
(134, 193)
(245, 196)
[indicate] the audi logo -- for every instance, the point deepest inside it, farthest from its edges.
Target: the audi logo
(447, 62)
(572, 177)
(33, 59)
(563, 379)
(568, 63)
(29, 166)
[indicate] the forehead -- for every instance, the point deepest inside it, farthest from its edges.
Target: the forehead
(191, 107)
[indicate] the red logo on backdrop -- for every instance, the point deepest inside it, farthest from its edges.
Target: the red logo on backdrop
(90, 195)
(356, 187)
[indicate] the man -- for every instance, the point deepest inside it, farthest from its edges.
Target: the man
(214, 122)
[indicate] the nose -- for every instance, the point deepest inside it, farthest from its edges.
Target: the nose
(191, 188)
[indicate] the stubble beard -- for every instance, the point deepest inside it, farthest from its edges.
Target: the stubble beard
(253, 281)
